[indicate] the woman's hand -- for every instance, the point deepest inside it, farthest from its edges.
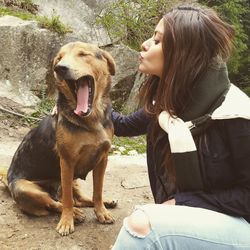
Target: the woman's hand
(169, 202)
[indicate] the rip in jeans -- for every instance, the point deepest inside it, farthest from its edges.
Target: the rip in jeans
(145, 220)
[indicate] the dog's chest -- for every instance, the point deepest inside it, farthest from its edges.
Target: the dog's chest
(91, 156)
(84, 151)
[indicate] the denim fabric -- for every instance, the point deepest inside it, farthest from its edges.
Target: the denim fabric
(186, 228)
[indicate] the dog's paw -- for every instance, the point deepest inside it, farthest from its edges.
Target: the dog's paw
(78, 215)
(103, 216)
(110, 203)
(65, 225)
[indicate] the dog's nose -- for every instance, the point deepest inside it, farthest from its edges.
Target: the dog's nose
(61, 70)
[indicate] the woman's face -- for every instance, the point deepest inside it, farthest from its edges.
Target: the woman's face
(151, 56)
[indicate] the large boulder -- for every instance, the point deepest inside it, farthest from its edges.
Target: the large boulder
(132, 102)
(26, 55)
(127, 65)
(25, 59)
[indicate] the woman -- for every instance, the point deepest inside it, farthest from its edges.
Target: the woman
(198, 139)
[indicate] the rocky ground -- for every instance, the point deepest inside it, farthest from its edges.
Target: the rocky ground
(125, 180)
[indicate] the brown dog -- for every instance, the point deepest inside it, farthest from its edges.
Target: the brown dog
(71, 144)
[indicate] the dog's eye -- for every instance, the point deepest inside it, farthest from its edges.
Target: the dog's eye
(82, 54)
(58, 59)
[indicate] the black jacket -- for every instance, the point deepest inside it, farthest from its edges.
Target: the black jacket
(224, 153)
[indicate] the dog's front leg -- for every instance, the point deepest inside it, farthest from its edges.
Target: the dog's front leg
(101, 212)
(66, 223)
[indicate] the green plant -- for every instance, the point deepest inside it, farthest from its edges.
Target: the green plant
(137, 143)
(26, 5)
(29, 6)
(53, 24)
(132, 21)
(21, 14)
(43, 108)
(236, 12)
(247, 90)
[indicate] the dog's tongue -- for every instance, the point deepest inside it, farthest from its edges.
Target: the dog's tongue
(82, 99)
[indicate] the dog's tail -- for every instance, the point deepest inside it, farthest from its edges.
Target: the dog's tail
(3, 176)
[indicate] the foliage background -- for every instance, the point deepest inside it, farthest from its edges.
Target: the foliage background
(237, 12)
(133, 21)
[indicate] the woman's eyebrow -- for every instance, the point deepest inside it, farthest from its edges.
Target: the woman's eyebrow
(158, 32)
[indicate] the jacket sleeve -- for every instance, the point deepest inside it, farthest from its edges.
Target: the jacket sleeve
(235, 200)
(131, 125)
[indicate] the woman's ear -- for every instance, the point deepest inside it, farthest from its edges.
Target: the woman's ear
(110, 61)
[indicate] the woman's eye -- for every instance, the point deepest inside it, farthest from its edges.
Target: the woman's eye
(156, 41)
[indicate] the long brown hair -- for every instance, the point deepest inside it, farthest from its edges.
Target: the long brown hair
(193, 37)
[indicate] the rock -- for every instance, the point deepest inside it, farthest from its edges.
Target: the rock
(132, 102)
(98, 5)
(24, 59)
(127, 65)
(27, 52)
(141, 180)
(80, 15)
(126, 62)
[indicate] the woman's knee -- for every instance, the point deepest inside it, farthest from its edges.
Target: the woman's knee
(138, 224)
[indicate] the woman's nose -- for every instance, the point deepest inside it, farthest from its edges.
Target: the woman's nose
(146, 45)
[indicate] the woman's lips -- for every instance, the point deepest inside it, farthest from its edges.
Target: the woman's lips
(140, 57)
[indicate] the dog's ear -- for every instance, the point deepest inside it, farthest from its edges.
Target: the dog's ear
(110, 61)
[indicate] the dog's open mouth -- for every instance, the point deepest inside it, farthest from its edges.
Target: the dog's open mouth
(84, 90)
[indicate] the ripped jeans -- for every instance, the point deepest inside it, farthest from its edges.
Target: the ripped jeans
(185, 228)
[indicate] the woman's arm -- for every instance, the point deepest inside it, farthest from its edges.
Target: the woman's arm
(236, 200)
(130, 125)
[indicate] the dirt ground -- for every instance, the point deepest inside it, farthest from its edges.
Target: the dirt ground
(126, 180)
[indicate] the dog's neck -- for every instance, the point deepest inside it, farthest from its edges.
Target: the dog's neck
(98, 116)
